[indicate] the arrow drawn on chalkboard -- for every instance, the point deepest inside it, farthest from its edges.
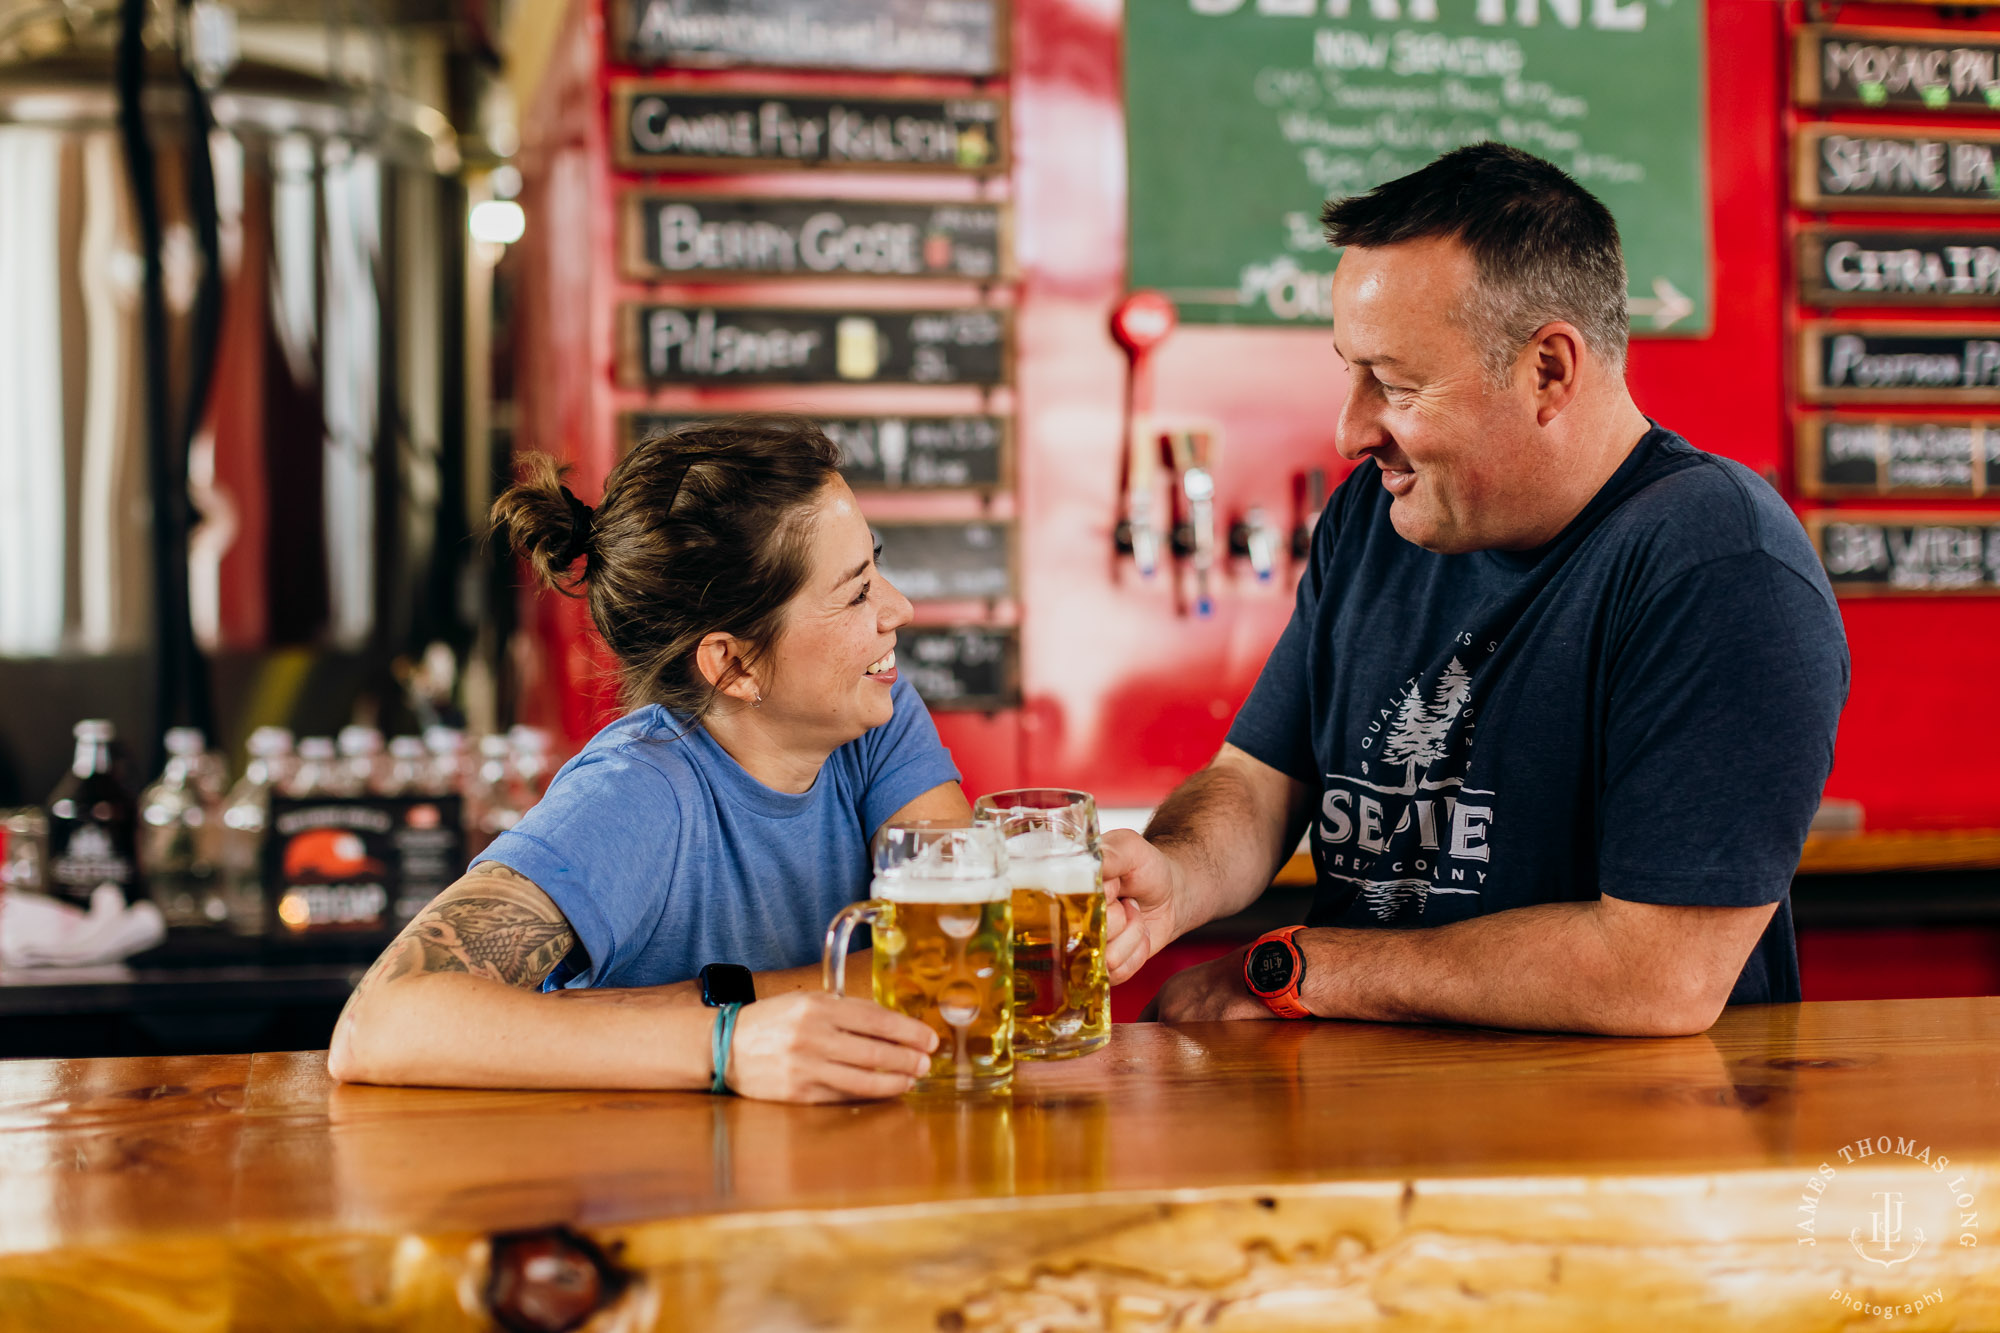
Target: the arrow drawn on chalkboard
(1668, 305)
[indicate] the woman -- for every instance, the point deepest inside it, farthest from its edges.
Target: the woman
(725, 820)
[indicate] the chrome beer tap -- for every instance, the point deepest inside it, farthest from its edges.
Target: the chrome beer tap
(1255, 538)
(1194, 535)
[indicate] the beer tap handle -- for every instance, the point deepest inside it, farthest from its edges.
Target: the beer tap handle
(1140, 324)
(1315, 503)
(1195, 535)
(1253, 538)
(1199, 488)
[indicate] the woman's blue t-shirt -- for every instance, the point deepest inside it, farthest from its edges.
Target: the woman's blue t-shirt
(665, 855)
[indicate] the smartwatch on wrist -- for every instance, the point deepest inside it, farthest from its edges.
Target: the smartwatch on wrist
(1274, 969)
(726, 983)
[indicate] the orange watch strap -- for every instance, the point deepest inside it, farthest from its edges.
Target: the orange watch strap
(1284, 1003)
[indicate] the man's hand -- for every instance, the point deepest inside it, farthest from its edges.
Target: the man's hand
(1205, 992)
(1140, 889)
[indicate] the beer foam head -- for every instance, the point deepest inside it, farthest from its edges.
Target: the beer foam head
(905, 887)
(1044, 842)
(1047, 860)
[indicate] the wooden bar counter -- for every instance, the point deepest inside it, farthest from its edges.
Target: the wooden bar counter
(1794, 1163)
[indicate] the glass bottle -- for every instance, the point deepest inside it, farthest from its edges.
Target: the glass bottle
(361, 763)
(318, 771)
(447, 748)
(177, 827)
(92, 822)
(409, 769)
(492, 802)
(529, 747)
(24, 861)
(245, 817)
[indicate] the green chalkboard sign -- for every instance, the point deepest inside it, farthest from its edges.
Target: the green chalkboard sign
(1243, 115)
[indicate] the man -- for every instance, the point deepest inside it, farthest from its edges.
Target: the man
(1558, 698)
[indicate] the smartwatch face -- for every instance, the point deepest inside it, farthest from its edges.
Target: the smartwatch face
(727, 983)
(1270, 967)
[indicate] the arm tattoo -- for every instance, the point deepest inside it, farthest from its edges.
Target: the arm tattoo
(493, 923)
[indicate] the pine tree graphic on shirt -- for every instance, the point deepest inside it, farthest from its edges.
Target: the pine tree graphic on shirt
(1418, 731)
(1417, 735)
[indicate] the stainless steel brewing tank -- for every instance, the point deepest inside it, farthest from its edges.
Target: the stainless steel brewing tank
(324, 461)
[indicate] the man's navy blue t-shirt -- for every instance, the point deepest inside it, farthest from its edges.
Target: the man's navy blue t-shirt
(1642, 708)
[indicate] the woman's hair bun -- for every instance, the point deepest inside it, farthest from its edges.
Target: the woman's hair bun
(544, 523)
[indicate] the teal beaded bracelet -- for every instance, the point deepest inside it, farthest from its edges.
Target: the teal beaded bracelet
(718, 1048)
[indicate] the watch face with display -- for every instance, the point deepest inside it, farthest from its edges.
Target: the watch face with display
(727, 983)
(1271, 967)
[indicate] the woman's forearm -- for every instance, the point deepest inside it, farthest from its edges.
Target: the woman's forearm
(456, 1030)
(455, 1001)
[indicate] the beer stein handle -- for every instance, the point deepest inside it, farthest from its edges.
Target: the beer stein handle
(833, 961)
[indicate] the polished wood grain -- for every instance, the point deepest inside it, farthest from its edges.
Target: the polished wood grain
(1248, 1175)
(1943, 849)
(1828, 854)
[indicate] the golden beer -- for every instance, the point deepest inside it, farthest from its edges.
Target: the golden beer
(945, 960)
(1062, 994)
(944, 947)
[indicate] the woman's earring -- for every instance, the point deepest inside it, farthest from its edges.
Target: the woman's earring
(757, 702)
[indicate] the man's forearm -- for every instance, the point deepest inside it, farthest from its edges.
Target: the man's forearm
(1225, 840)
(1550, 967)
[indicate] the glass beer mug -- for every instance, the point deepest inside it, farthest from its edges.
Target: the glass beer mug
(1062, 997)
(943, 947)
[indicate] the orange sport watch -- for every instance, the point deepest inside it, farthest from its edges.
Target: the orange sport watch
(1274, 969)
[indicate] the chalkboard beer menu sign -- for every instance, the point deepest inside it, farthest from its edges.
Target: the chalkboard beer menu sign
(892, 453)
(962, 668)
(1898, 455)
(1869, 554)
(667, 235)
(948, 561)
(681, 127)
(1852, 266)
(681, 344)
(1884, 167)
(1913, 363)
(1935, 70)
(918, 36)
(1243, 115)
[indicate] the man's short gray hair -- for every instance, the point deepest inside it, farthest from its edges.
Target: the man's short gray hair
(1545, 249)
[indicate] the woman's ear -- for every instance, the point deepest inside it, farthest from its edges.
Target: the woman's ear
(719, 657)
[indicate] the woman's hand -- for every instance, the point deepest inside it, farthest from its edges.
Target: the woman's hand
(808, 1047)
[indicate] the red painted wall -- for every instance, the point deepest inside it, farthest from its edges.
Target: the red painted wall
(1917, 742)
(1124, 694)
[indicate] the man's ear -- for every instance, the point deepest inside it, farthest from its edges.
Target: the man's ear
(1556, 357)
(720, 659)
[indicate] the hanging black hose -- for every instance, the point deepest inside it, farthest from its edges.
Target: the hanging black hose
(204, 338)
(166, 482)
(180, 676)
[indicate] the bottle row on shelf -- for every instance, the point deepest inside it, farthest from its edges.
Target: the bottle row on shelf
(349, 834)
